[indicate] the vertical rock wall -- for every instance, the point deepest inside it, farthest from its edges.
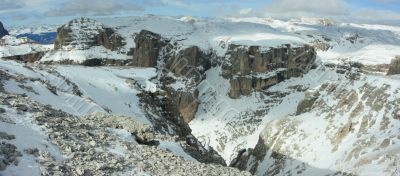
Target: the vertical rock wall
(256, 68)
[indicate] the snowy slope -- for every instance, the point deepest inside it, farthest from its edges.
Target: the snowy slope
(351, 127)
(101, 89)
(27, 136)
(96, 96)
(78, 56)
(11, 46)
(232, 124)
(367, 107)
(236, 124)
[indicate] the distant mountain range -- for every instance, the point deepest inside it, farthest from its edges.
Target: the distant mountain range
(42, 38)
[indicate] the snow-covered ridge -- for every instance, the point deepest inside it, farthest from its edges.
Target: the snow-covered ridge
(365, 43)
(368, 44)
(11, 46)
(32, 29)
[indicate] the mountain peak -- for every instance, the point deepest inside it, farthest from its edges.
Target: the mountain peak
(3, 31)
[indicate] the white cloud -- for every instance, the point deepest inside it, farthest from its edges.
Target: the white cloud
(387, 1)
(305, 8)
(99, 7)
(177, 3)
(245, 11)
(376, 15)
(335, 9)
(10, 4)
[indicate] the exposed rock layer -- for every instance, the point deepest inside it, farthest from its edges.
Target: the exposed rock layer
(256, 68)
(189, 62)
(31, 57)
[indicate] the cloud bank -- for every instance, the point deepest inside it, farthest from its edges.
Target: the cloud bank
(361, 10)
(94, 8)
(335, 9)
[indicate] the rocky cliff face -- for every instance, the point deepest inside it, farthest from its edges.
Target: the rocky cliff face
(161, 104)
(3, 31)
(83, 33)
(146, 52)
(394, 67)
(249, 68)
(256, 68)
(189, 62)
(189, 65)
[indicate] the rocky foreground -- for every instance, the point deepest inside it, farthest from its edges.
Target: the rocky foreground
(96, 144)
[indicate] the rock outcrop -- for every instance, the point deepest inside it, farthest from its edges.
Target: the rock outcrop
(30, 57)
(106, 62)
(148, 46)
(189, 62)
(394, 67)
(183, 104)
(3, 32)
(9, 155)
(167, 118)
(83, 33)
(189, 65)
(256, 68)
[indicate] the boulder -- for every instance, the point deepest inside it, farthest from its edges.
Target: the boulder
(148, 45)
(3, 32)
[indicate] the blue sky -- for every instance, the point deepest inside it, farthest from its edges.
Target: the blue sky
(19, 12)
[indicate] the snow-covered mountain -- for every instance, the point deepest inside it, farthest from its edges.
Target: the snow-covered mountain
(178, 96)
(42, 34)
